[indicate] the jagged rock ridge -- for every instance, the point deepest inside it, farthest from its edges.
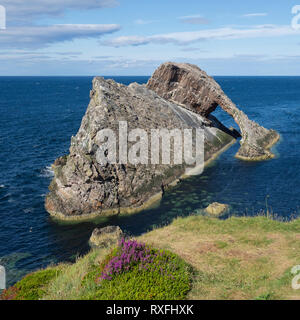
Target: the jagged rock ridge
(190, 86)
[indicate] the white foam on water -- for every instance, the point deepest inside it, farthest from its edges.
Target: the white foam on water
(10, 200)
(47, 172)
(28, 210)
(2, 186)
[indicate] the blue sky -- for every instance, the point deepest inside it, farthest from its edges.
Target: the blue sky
(132, 37)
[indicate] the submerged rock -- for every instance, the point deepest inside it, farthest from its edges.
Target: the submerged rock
(190, 86)
(216, 209)
(84, 188)
(106, 237)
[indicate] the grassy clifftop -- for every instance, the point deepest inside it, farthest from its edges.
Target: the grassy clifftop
(239, 258)
(202, 257)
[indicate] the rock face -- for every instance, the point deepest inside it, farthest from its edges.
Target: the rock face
(83, 188)
(106, 237)
(188, 85)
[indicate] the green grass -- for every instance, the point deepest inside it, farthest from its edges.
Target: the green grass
(79, 280)
(169, 278)
(68, 286)
(265, 296)
(236, 224)
(31, 287)
(237, 258)
(221, 244)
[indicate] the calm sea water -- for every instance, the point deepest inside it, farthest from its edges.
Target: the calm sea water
(38, 115)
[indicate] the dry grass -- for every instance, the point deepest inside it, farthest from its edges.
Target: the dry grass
(240, 258)
(68, 285)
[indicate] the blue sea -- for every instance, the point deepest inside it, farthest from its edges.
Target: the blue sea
(38, 116)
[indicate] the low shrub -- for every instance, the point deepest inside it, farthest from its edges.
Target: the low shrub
(31, 287)
(136, 271)
(9, 294)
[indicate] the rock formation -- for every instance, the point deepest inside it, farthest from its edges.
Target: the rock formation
(83, 188)
(216, 209)
(106, 237)
(190, 86)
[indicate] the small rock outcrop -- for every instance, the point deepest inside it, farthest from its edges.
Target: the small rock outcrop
(83, 188)
(216, 209)
(106, 237)
(190, 86)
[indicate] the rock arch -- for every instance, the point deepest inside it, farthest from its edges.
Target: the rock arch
(188, 85)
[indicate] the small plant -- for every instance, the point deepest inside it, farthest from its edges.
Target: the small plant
(265, 296)
(221, 244)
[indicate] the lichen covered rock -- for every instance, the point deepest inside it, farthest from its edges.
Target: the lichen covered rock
(216, 209)
(106, 237)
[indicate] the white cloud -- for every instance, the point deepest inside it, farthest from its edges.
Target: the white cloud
(227, 64)
(249, 15)
(127, 41)
(194, 19)
(43, 64)
(190, 49)
(25, 11)
(41, 36)
(32, 53)
(142, 22)
(185, 38)
(23, 32)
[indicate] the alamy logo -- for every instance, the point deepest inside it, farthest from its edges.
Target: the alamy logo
(296, 280)
(2, 278)
(153, 147)
(296, 19)
(2, 17)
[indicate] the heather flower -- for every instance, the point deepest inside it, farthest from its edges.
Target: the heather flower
(130, 254)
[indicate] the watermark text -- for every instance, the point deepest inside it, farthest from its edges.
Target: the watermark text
(296, 280)
(2, 18)
(157, 146)
(2, 278)
(296, 19)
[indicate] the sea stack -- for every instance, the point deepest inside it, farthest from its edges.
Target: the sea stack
(188, 85)
(178, 96)
(83, 188)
